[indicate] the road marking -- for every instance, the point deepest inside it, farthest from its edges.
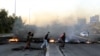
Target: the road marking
(47, 51)
(60, 51)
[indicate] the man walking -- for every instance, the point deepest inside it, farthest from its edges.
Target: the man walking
(45, 42)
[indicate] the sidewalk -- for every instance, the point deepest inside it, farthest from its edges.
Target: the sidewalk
(53, 50)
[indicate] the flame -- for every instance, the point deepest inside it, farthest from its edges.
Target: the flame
(51, 40)
(13, 40)
(88, 42)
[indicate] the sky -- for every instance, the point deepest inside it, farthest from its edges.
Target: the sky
(41, 10)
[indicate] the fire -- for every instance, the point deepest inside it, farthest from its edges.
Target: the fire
(13, 39)
(88, 42)
(51, 40)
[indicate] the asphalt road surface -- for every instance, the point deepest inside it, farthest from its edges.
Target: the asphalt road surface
(81, 50)
(6, 50)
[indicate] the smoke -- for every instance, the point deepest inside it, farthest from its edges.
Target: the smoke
(46, 18)
(20, 29)
(56, 25)
(55, 30)
(41, 24)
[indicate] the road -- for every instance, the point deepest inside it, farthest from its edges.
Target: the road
(6, 50)
(81, 50)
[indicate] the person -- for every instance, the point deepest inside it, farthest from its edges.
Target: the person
(62, 39)
(28, 41)
(45, 40)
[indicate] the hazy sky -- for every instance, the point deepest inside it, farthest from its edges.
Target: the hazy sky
(38, 9)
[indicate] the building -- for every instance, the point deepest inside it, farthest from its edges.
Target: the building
(94, 19)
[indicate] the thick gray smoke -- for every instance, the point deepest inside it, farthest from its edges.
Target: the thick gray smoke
(21, 30)
(55, 27)
(55, 30)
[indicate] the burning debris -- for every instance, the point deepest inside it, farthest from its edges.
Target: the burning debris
(13, 39)
(51, 40)
(88, 42)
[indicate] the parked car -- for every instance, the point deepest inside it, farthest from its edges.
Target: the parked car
(84, 34)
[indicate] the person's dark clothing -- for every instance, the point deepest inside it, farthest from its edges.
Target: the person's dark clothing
(63, 37)
(46, 36)
(28, 36)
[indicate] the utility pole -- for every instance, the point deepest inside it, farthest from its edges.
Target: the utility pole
(29, 20)
(15, 7)
(29, 15)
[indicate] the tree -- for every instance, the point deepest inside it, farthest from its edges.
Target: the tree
(6, 21)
